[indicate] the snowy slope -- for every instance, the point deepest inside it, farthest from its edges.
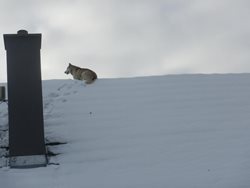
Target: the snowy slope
(180, 131)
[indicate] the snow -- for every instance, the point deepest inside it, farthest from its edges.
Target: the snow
(164, 131)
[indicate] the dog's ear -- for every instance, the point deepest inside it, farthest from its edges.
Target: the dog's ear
(69, 63)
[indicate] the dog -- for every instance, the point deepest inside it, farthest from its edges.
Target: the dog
(78, 73)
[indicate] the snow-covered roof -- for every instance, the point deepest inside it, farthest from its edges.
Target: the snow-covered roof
(164, 131)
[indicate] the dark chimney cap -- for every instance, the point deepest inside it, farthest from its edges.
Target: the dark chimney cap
(22, 32)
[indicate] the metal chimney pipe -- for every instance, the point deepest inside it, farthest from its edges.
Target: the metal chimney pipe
(26, 124)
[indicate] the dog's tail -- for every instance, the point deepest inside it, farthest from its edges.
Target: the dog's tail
(94, 77)
(92, 80)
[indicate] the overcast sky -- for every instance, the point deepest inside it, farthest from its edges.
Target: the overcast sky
(127, 38)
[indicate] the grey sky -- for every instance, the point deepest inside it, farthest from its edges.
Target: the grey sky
(123, 38)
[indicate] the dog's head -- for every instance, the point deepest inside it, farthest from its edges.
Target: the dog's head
(68, 69)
